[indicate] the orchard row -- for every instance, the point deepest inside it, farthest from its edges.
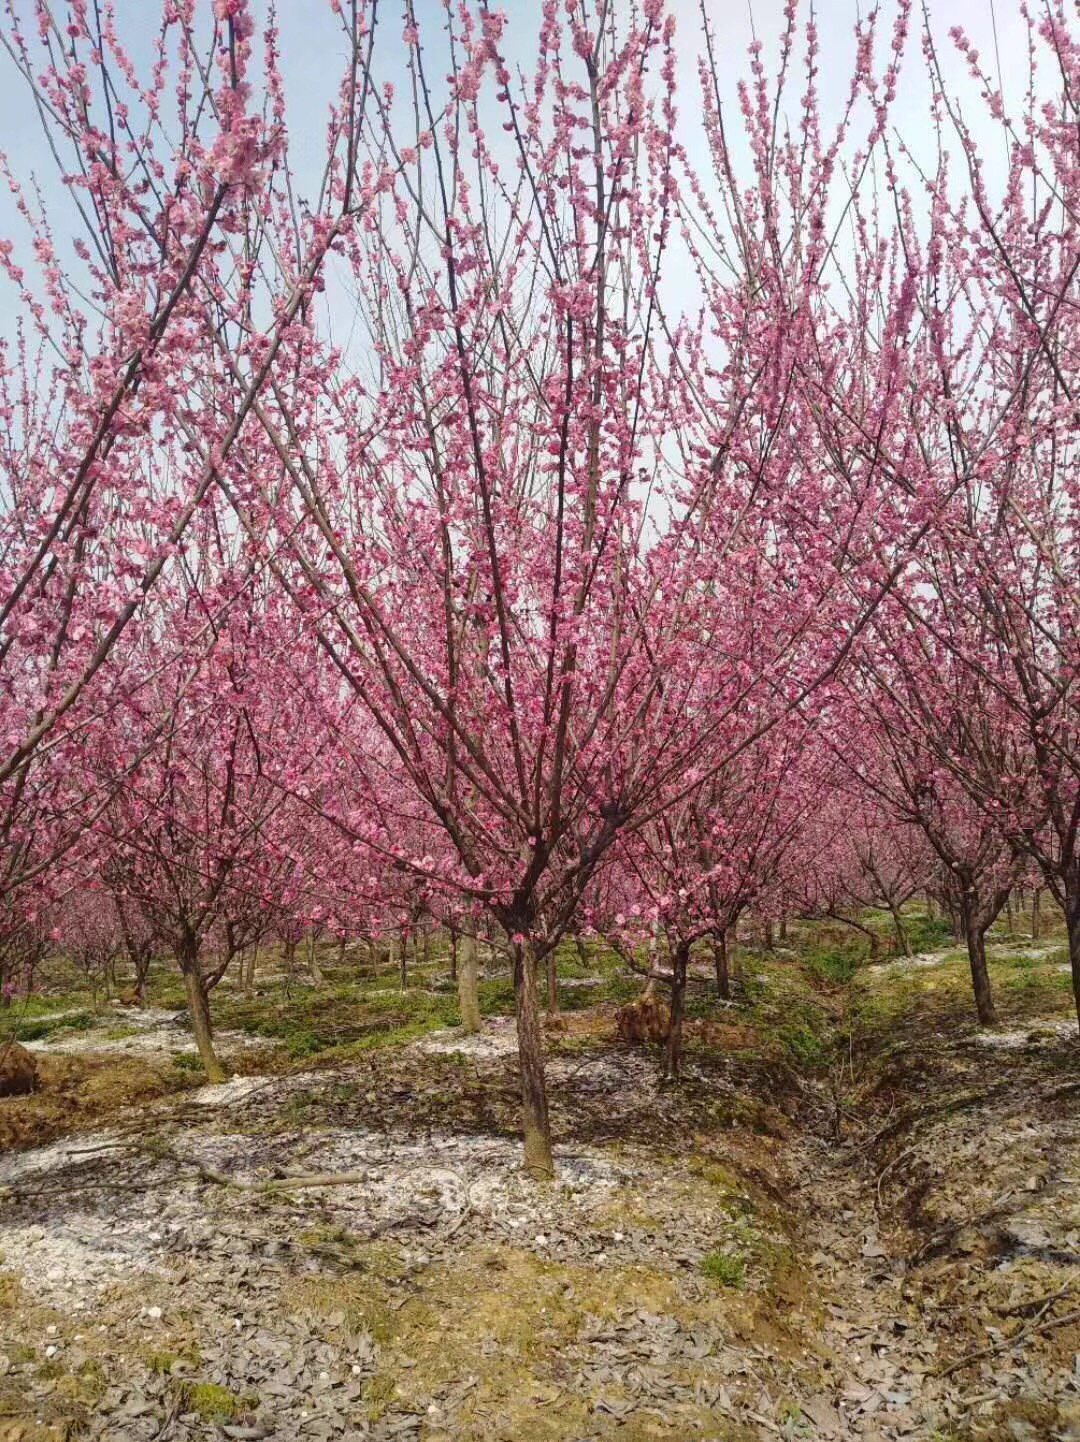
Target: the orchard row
(609, 503)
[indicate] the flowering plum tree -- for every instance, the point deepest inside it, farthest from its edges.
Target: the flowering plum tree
(110, 349)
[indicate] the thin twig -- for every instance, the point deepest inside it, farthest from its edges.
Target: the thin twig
(1009, 1342)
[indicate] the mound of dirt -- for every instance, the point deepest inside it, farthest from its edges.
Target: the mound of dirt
(646, 1019)
(72, 1093)
(18, 1071)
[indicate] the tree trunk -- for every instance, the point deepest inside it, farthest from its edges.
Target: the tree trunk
(427, 947)
(1072, 924)
(731, 942)
(783, 929)
(980, 977)
(403, 961)
(720, 958)
(552, 984)
(901, 931)
(313, 963)
(673, 1049)
(468, 992)
(975, 934)
(1010, 919)
(289, 958)
(452, 933)
(139, 957)
(767, 935)
(248, 970)
(1036, 913)
(199, 1008)
(534, 1108)
(139, 954)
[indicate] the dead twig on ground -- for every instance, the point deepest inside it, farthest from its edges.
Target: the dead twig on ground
(1036, 1304)
(1034, 1330)
(879, 1203)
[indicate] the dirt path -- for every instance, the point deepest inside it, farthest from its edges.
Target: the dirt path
(944, 1227)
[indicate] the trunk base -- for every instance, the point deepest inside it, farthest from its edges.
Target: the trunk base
(468, 993)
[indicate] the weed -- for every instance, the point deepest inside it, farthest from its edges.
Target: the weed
(805, 1046)
(162, 1363)
(213, 1403)
(727, 1269)
(837, 967)
(378, 1392)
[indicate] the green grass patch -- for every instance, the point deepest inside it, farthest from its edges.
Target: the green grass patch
(213, 1403)
(806, 1046)
(927, 933)
(339, 1018)
(726, 1269)
(40, 1027)
(833, 965)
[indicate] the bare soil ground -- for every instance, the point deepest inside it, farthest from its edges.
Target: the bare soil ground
(855, 1219)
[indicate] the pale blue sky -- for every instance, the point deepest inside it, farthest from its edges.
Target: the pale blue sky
(312, 54)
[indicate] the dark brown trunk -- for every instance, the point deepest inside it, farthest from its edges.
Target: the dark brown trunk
(975, 936)
(720, 958)
(1036, 913)
(673, 1049)
(199, 1007)
(403, 961)
(1072, 925)
(783, 930)
(901, 931)
(139, 954)
(289, 958)
(767, 934)
(536, 1123)
(980, 977)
